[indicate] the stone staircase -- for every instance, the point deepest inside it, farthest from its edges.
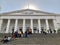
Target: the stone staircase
(36, 39)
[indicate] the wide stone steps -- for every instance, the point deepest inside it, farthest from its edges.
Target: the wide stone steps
(36, 39)
(40, 41)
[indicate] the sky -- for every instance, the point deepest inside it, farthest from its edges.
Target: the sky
(52, 6)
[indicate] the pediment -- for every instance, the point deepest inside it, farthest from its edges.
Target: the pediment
(27, 12)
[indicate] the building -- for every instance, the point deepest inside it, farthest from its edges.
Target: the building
(28, 18)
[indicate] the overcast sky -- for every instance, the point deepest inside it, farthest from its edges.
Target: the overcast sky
(52, 6)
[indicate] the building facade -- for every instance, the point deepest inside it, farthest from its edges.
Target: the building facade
(28, 18)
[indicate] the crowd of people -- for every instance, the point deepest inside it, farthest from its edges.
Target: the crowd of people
(16, 34)
(6, 39)
(20, 34)
(44, 31)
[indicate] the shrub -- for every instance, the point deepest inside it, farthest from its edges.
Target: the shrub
(58, 30)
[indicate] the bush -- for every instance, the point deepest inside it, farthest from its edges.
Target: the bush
(58, 30)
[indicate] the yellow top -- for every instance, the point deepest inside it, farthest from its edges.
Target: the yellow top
(20, 32)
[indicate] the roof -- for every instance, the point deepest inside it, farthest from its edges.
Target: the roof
(28, 12)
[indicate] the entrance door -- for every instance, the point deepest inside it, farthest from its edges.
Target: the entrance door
(27, 28)
(35, 30)
(20, 29)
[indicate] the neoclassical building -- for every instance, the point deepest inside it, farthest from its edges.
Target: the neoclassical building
(28, 18)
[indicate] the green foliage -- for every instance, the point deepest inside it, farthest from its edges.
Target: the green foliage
(58, 30)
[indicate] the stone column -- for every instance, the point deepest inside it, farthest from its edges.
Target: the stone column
(16, 25)
(55, 24)
(1, 22)
(47, 25)
(39, 25)
(24, 26)
(8, 24)
(31, 25)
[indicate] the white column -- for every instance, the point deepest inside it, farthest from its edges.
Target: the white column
(1, 22)
(8, 24)
(31, 25)
(24, 26)
(47, 25)
(39, 25)
(16, 25)
(55, 25)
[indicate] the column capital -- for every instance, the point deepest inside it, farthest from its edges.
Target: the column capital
(16, 19)
(38, 19)
(24, 19)
(54, 19)
(46, 19)
(8, 19)
(1, 19)
(31, 19)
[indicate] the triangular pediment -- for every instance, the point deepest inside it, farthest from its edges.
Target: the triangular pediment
(27, 12)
